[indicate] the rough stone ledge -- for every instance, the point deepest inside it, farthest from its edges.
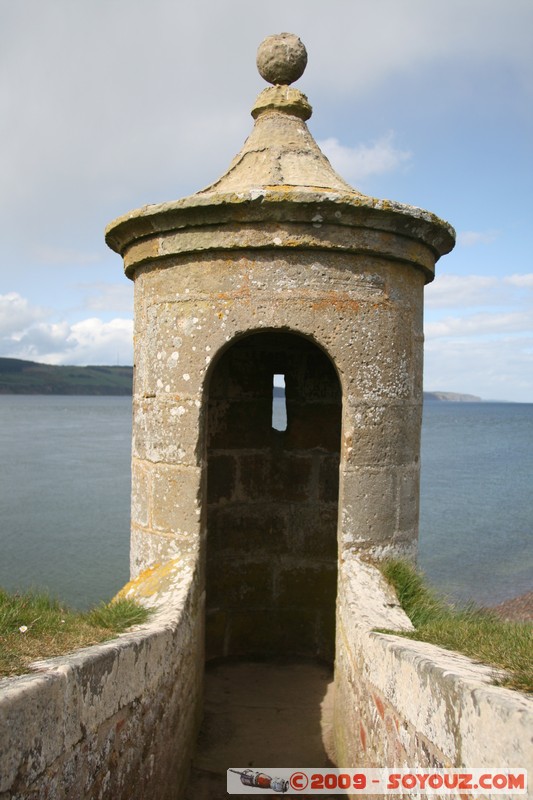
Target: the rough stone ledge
(259, 236)
(283, 202)
(447, 697)
(44, 716)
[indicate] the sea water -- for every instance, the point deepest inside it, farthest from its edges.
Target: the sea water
(476, 499)
(65, 497)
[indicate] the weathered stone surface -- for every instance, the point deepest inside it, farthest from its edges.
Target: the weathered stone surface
(166, 429)
(334, 216)
(165, 499)
(149, 549)
(175, 499)
(260, 528)
(401, 702)
(271, 526)
(117, 719)
(281, 58)
(368, 507)
(381, 434)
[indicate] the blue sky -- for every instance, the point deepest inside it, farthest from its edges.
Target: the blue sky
(110, 104)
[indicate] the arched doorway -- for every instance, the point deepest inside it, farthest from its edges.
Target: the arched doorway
(271, 554)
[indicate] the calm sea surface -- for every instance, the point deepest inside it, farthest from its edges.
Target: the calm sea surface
(65, 483)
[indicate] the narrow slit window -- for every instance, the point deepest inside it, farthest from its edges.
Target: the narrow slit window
(279, 404)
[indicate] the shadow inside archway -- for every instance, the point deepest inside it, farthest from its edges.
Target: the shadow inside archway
(262, 715)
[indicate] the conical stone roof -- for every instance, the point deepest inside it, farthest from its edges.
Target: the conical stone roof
(279, 191)
(280, 151)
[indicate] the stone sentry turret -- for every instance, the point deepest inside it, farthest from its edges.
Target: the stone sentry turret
(279, 268)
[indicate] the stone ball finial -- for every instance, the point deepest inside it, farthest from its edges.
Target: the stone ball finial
(281, 58)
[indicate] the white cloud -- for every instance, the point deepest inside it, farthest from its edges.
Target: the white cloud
(37, 340)
(16, 314)
(90, 341)
(114, 297)
(480, 324)
(499, 369)
(521, 281)
(357, 163)
(64, 255)
(24, 333)
(95, 342)
(469, 291)
(452, 291)
(488, 353)
(473, 238)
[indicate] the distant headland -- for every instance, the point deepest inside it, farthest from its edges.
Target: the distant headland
(451, 397)
(18, 376)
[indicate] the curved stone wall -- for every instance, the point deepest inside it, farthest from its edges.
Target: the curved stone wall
(364, 311)
(117, 720)
(403, 703)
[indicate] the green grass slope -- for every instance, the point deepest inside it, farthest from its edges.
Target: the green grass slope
(29, 377)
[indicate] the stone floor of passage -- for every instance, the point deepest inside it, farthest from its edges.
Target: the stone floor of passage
(262, 715)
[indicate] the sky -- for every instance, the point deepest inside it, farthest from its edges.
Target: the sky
(106, 105)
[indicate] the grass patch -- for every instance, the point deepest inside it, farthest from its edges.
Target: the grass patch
(34, 626)
(475, 632)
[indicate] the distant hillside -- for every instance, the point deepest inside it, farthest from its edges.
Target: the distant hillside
(29, 377)
(451, 397)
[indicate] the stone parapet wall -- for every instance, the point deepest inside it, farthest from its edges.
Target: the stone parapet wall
(403, 703)
(117, 720)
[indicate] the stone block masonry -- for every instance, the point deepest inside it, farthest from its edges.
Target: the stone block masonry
(403, 703)
(272, 522)
(117, 720)
(380, 398)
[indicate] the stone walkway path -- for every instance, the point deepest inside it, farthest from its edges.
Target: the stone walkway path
(263, 716)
